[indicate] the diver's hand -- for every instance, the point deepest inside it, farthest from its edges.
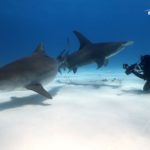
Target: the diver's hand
(130, 69)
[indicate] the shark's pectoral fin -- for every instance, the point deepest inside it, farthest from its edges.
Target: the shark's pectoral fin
(74, 69)
(100, 62)
(106, 62)
(38, 88)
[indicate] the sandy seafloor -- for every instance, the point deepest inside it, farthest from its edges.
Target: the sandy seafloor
(89, 111)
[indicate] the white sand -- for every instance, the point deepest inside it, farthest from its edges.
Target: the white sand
(88, 112)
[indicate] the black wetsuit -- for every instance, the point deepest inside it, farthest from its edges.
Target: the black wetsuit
(145, 66)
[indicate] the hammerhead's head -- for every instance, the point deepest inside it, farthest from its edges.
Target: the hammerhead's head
(92, 52)
(29, 72)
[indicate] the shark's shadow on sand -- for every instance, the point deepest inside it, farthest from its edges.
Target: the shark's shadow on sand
(28, 100)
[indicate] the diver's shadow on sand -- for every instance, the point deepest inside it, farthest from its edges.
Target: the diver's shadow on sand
(135, 91)
(28, 100)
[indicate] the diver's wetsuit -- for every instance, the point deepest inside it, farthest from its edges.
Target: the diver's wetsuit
(142, 76)
(145, 66)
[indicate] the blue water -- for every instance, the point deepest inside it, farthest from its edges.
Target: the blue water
(23, 24)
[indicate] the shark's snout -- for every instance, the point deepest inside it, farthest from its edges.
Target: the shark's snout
(128, 43)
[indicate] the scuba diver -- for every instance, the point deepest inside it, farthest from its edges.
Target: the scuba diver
(141, 70)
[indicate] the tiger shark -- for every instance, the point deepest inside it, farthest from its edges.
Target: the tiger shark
(90, 52)
(30, 73)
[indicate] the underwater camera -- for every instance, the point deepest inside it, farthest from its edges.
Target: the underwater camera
(130, 69)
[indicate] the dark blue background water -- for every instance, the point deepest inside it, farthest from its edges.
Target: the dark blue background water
(24, 23)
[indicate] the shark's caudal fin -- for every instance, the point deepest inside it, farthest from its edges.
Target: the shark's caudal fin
(62, 59)
(61, 56)
(39, 49)
(82, 39)
(64, 53)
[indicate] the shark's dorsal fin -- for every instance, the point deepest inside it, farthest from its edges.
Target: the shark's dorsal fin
(39, 49)
(82, 39)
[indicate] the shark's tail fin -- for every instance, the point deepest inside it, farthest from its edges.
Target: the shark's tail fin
(62, 57)
(64, 53)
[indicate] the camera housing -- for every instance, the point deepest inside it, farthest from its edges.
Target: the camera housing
(125, 66)
(129, 69)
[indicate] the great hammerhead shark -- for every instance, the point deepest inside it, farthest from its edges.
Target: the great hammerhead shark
(30, 72)
(92, 52)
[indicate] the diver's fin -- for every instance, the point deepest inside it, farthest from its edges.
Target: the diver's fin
(74, 69)
(82, 39)
(146, 87)
(39, 49)
(100, 62)
(38, 88)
